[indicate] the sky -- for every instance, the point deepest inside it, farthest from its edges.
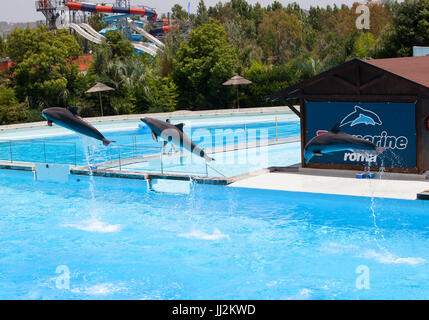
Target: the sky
(24, 10)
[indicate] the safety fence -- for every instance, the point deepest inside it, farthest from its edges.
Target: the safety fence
(133, 153)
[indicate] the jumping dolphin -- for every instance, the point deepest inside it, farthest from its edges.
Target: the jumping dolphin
(335, 140)
(174, 134)
(70, 120)
(361, 116)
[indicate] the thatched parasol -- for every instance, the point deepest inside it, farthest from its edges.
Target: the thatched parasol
(236, 81)
(100, 87)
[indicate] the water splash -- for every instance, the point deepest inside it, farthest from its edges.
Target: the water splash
(372, 207)
(88, 147)
(94, 223)
(385, 256)
(99, 289)
(395, 159)
(201, 235)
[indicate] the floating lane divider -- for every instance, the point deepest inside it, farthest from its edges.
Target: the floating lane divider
(79, 6)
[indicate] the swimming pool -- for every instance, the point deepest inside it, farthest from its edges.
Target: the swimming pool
(134, 141)
(117, 240)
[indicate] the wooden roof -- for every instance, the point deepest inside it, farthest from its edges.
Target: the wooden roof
(382, 77)
(413, 68)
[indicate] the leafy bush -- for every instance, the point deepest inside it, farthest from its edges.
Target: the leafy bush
(10, 110)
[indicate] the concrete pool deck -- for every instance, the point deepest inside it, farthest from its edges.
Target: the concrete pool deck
(339, 182)
(293, 178)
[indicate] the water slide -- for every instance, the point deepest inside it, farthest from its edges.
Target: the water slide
(91, 31)
(159, 32)
(79, 6)
(83, 33)
(149, 49)
(164, 21)
(86, 31)
(145, 34)
(142, 46)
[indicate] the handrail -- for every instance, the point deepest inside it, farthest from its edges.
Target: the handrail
(123, 155)
(217, 171)
(36, 141)
(244, 125)
(42, 144)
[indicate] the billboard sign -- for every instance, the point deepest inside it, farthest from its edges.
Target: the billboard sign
(387, 124)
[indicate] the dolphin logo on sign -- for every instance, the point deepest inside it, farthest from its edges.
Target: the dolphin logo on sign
(361, 116)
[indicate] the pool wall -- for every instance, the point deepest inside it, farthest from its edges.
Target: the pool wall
(121, 122)
(19, 138)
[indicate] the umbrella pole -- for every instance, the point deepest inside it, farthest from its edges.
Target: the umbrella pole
(101, 103)
(238, 102)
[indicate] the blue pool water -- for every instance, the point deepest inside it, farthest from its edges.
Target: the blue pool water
(118, 240)
(72, 149)
(227, 164)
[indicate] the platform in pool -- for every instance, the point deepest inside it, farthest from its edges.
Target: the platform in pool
(339, 182)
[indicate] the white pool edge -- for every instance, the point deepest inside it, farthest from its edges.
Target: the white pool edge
(171, 115)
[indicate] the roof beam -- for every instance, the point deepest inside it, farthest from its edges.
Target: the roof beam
(291, 107)
(371, 82)
(343, 81)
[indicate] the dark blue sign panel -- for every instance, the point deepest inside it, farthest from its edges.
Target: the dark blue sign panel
(389, 125)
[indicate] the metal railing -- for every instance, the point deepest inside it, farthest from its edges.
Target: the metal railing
(131, 157)
(39, 151)
(48, 4)
(141, 158)
(138, 157)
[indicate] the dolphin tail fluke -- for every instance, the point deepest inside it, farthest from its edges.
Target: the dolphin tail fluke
(380, 150)
(307, 156)
(107, 142)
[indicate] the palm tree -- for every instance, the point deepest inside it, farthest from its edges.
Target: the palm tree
(128, 73)
(308, 66)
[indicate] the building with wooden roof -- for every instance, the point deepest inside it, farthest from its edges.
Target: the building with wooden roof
(385, 101)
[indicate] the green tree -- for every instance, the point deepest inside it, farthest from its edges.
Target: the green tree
(410, 27)
(44, 66)
(156, 95)
(165, 57)
(201, 66)
(307, 66)
(364, 45)
(10, 110)
(178, 13)
(280, 35)
(112, 49)
(266, 81)
(95, 20)
(202, 16)
(120, 47)
(20, 43)
(275, 6)
(2, 48)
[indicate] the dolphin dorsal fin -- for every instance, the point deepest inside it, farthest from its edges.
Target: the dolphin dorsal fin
(336, 128)
(74, 110)
(180, 126)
